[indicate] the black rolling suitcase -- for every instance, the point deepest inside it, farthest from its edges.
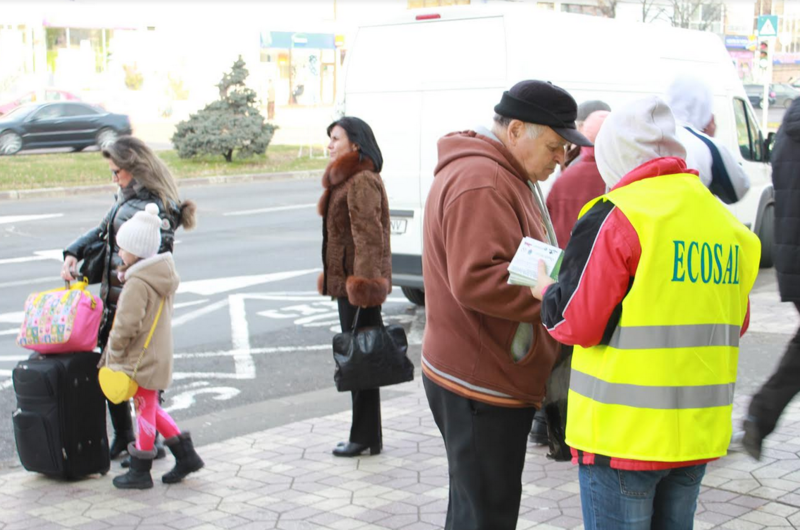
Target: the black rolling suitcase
(60, 420)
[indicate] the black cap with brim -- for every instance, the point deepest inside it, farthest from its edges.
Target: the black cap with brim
(543, 103)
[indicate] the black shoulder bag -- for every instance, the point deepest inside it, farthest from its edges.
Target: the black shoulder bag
(94, 255)
(371, 357)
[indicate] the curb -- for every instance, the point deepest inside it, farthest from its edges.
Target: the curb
(45, 193)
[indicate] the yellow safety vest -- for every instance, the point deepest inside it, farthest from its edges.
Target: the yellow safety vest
(662, 390)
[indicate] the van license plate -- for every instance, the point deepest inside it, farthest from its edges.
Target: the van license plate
(398, 226)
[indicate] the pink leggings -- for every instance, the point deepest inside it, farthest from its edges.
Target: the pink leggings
(150, 417)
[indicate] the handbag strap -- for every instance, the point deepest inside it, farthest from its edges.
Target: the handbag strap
(355, 321)
(149, 336)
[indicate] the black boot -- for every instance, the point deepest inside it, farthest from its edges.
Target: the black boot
(538, 435)
(138, 476)
(123, 428)
(186, 458)
(157, 445)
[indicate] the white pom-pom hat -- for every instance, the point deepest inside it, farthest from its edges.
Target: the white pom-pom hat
(141, 234)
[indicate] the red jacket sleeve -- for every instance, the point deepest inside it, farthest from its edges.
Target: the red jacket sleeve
(598, 268)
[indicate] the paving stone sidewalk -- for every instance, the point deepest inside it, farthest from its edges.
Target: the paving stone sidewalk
(286, 478)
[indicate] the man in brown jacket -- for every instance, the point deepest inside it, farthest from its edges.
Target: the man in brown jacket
(485, 355)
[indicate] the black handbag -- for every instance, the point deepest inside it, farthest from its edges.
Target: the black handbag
(371, 357)
(94, 255)
(94, 261)
(555, 406)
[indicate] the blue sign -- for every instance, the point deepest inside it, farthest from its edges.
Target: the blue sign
(287, 40)
(768, 26)
(737, 42)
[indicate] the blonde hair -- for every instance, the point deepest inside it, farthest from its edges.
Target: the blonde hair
(134, 156)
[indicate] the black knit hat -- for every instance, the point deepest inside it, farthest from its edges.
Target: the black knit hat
(543, 103)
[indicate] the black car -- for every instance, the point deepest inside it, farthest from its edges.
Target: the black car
(60, 124)
(756, 94)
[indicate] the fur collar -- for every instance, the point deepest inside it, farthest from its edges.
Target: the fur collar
(339, 171)
(344, 167)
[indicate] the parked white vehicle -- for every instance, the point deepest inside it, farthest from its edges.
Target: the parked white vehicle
(435, 71)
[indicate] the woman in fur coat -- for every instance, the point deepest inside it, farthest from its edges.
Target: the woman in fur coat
(356, 255)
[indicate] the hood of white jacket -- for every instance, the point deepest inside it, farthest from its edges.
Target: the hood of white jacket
(633, 135)
(691, 101)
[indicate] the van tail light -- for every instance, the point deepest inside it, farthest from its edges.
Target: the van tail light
(431, 16)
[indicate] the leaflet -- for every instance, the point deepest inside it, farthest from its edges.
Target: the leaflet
(524, 268)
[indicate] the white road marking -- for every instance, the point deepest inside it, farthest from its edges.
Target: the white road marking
(270, 210)
(10, 331)
(197, 313)
(40, 255)
(253, 351)
(189, 304)
(8, 219)
(54, 279)
(223, 285)
(14, 317)
(240, 336)
(184, 400)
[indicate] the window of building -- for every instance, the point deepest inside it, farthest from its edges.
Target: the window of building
(582, 9)
(412, 4)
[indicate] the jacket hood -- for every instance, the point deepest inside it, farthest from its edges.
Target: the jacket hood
(634, 135)
(158, 272)
(691, 101)
(457, 145)
(791, 122)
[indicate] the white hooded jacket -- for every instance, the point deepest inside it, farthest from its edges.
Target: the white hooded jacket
(691, 102)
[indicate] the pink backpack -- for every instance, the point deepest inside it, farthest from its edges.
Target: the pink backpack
(61, 320)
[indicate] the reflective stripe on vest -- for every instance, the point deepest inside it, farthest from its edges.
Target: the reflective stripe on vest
(652, 397)
(662, 389)
(687, 336)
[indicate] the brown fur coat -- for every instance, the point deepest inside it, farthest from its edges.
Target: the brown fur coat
(356, 253)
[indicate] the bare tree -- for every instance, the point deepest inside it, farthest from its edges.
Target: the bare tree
(651, 10)
(685, 13)
(608, 8)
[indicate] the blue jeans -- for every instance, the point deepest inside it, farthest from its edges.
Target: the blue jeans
(613, 499)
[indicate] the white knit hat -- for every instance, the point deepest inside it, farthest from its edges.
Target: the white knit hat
(141, 234)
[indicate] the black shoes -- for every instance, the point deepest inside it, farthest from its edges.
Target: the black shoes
(120, 443)
(351, 449)
(752, 439)
(538, 435)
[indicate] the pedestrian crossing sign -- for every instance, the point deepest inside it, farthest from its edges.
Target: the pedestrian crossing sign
(768, 26)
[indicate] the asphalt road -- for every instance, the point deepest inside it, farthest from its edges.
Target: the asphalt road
(249, 326)
(252, 337)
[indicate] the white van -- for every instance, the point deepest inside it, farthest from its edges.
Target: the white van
(435, 71)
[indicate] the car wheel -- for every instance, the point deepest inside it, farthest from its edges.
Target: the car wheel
(758, 103)
(10, 143)
(106, 137)
(766, 233)
(415, 296)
